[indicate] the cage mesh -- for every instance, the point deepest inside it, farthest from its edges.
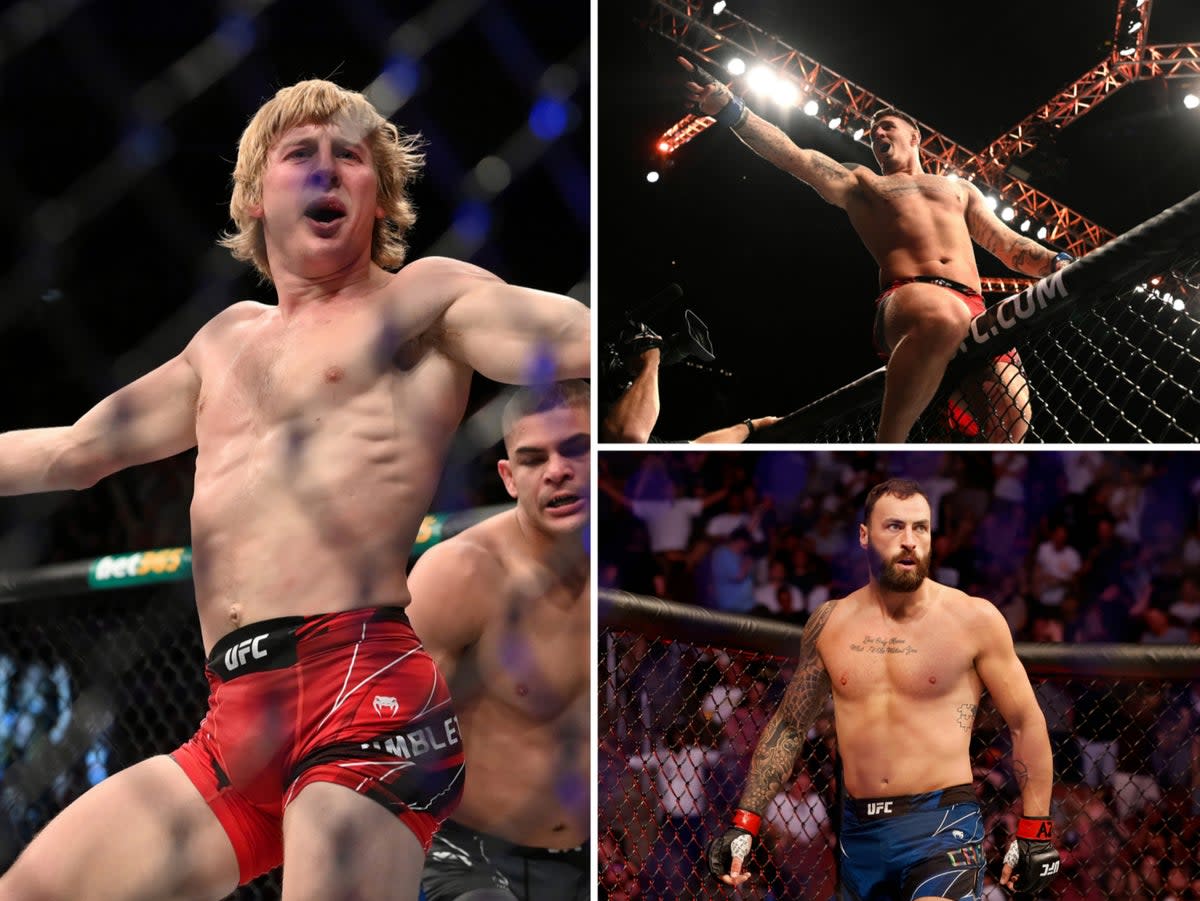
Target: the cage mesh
(89, 686)
(1120, 369)
(678, 722)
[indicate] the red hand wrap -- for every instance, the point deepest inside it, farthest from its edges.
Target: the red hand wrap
(1038, 829)
(744, 819)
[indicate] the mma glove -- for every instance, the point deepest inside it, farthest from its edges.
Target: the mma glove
(734, 843)
(1034, 860)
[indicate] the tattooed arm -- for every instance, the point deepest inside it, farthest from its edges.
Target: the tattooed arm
(781, 738)
(1012, 249)
(1006, 681)
(829, 178)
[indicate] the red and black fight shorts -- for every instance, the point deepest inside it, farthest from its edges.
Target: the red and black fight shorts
(349, 698)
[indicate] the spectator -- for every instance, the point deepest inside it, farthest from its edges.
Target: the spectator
(1056, 564)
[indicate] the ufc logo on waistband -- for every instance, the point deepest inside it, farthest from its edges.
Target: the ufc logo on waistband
(1049, 869)
(874, 808)
(251, 647)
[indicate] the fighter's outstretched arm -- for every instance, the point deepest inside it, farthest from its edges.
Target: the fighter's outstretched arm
(829, 178)
(151, 418)
(1012, 249)
(508, 333)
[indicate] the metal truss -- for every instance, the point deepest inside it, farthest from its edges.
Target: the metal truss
(848, 107)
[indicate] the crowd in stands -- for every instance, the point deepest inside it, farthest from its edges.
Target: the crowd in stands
(1071, 546)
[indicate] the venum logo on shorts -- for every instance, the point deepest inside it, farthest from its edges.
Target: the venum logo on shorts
(418, 741)
(251, 647)
(384, 703)
(877, 808)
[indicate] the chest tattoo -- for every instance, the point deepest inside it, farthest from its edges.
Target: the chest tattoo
(874, 645)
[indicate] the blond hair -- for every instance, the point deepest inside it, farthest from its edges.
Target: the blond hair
(395, 155)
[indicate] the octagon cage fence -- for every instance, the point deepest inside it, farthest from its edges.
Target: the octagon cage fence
(1124, 724)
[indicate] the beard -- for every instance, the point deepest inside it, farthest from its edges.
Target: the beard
(891, 577)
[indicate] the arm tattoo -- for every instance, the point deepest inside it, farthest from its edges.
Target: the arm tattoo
(1020, 773)
(784, 733)
(810, 166)
(1031, 258)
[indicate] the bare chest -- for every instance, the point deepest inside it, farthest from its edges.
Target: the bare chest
(533, 659)
(868, 660)
(304, 371)
(929, 194)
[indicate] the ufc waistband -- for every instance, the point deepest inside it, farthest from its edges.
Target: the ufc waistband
(932, 280)
(278, 643)
(881, 808)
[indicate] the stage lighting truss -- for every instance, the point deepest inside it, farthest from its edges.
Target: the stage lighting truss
(688, 24)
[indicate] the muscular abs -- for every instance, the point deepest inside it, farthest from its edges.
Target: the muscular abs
(317, 460)
(905, 698)
(914, 225)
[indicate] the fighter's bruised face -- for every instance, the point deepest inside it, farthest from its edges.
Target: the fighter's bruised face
(548, 469)
(897, 542)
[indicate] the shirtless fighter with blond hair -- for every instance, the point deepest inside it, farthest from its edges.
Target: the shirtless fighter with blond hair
(503, 608)
(906, 660)
(322, 425)
(919, 229)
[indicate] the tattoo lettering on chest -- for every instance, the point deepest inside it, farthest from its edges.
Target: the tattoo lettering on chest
(874, 645)
(966, 716)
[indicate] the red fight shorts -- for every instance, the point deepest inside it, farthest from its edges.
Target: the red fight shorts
(349, 698)
(959, 419)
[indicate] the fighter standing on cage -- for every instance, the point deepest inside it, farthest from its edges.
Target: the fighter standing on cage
(919, 228)
(906, 660)
(322, 425)
(503, 608)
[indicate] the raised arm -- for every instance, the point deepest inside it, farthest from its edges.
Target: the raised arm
(776, 751)
(151, 418)
(829, 178)
(1012, 249)
(509, 334)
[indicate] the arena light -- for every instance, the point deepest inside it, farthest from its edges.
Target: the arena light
(761, 80)
(858, 133)
(953, 176)
(664, 147)
(736, 66)
(991, 202)
(1191, 101)
(1178, 305)
(1026, 225)
(835, 122)
(719, 7)
(785, 93)
(1041, 233)
(652, 177)
(1008, 214)
(812, 108)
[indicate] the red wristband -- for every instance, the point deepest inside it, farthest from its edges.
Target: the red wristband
(1038, 829)
(744, 819)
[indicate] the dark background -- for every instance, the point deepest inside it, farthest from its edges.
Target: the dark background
(119, 122)
(778, 275)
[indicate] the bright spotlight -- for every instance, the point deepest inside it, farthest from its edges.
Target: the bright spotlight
(991, 202)
(1178, 304)
(1191, 101)
(953, 176)
(785, 93)
(1041, 233)
(652, 177)
(812, 108)
(1025, 225)
(1008, 214)
(858, 133)
(835, 121)
(762, 80)
(736, 66)
(719, 7)
(664, 147)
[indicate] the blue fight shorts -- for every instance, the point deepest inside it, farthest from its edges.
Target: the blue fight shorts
(914, 846)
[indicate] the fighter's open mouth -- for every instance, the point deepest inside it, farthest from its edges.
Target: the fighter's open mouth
(325, 211)
(563, 500)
